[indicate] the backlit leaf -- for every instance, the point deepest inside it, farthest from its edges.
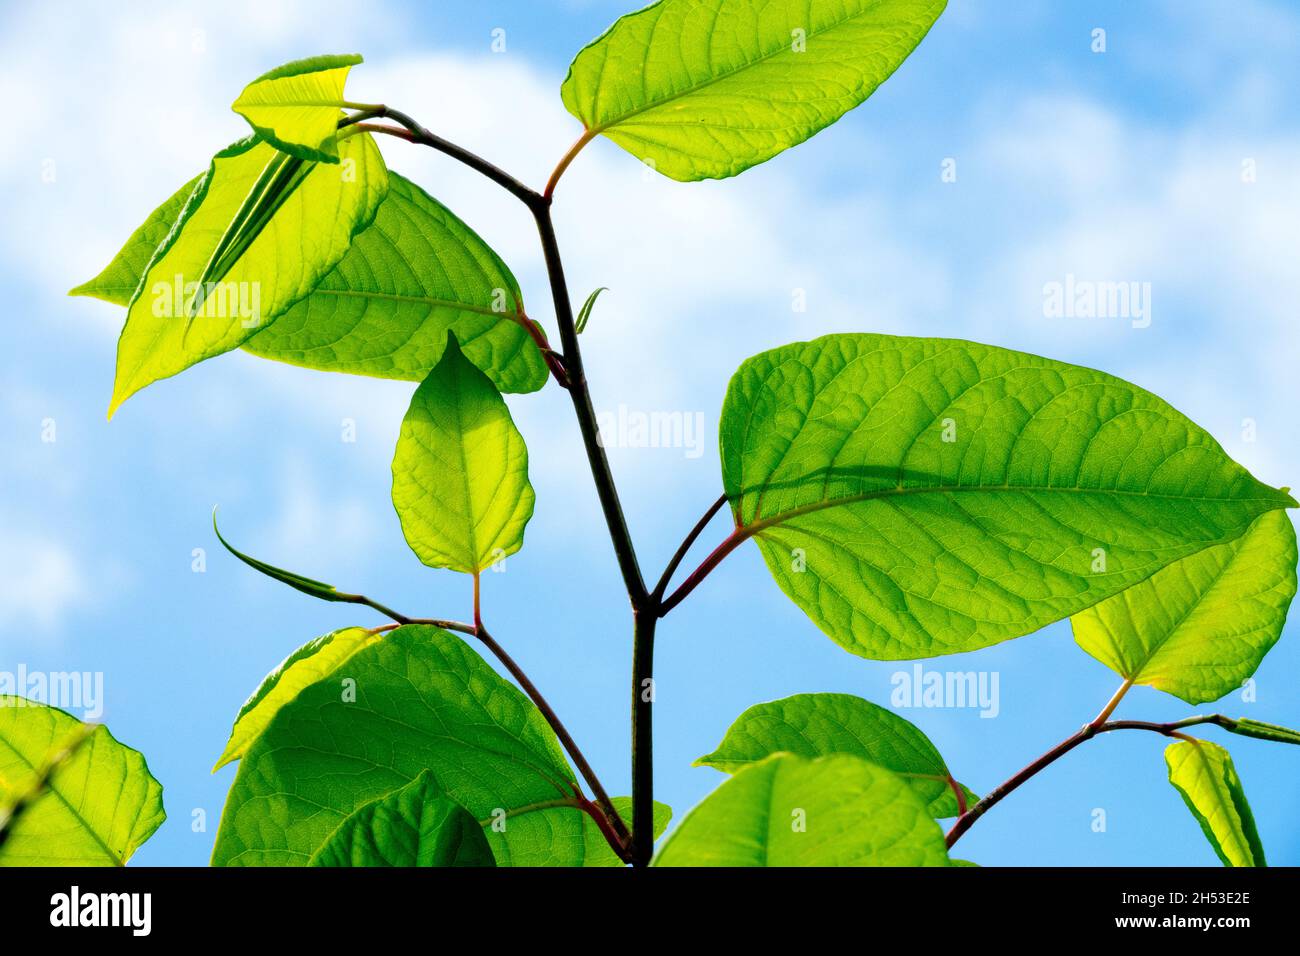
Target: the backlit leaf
(385, 310)
(99, 802)
(1204, 776)
(417, 273)
(705, 89)
(120, 278)
(918, 497)
(282, 258)
(412, 826)
(820, 725)
(419, 699)
(304, 667)
(296, 107)
(1199, 627)
(791, 811)
(460, 472)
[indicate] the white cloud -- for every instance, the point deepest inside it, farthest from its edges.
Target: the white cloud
(41, 582)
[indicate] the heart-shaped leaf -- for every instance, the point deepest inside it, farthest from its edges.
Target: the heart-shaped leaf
(918, 497)
(297, 107)
(1199, 627)
(791, 811)
(704, 89)
(97, 804)
(415, 825)
(260, 232)
(1204, 776)
(821, 725)
(460, 472)
(419, 699)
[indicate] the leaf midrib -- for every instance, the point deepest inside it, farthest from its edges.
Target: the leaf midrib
(762, 524)
(51, 788)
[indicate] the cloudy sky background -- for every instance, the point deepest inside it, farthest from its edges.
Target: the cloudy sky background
(1119, 166)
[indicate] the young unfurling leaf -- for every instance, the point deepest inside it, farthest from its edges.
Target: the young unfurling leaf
(705, 89)
(415, 274)
(460, 472)
(296, 107)
(1204, 776)
(283, 244)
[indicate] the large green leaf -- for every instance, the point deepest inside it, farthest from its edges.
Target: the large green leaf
(99, 802)
(918, 497)
(297, 107)
(272, 250)
(415, 825)
(1199, 627)
(121, 277)
(305, 666)
(820, 725)
(708, 88)
(1204, 776)
(417, 700)
(791, 811)
(417, 273)
(460, 472)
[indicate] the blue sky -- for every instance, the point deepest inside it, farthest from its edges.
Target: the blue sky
(1124, 166)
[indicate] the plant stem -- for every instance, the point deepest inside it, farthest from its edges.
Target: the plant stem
(565, 160)
(1171, 729)
(685, 547)
(606, 490)
(552, 718)
(416, 133)
(734, 540)
(642, 606)
(643, 808)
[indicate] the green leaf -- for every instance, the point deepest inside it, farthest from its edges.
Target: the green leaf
(98, 804)
(705, 90)
(821, 725)
(918, 497)
(297, 107)
(416, 274)
(790, 811)
(1199, 627)
(560, 835)
(1262, 731)
(417, 700)
(378, 313)
(460, 472)
(310, 663)
(1203, 774)
(584, 314)
(121, 277)
(412, 826)
(263, 235)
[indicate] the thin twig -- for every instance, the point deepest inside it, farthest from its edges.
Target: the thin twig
(685, 547)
